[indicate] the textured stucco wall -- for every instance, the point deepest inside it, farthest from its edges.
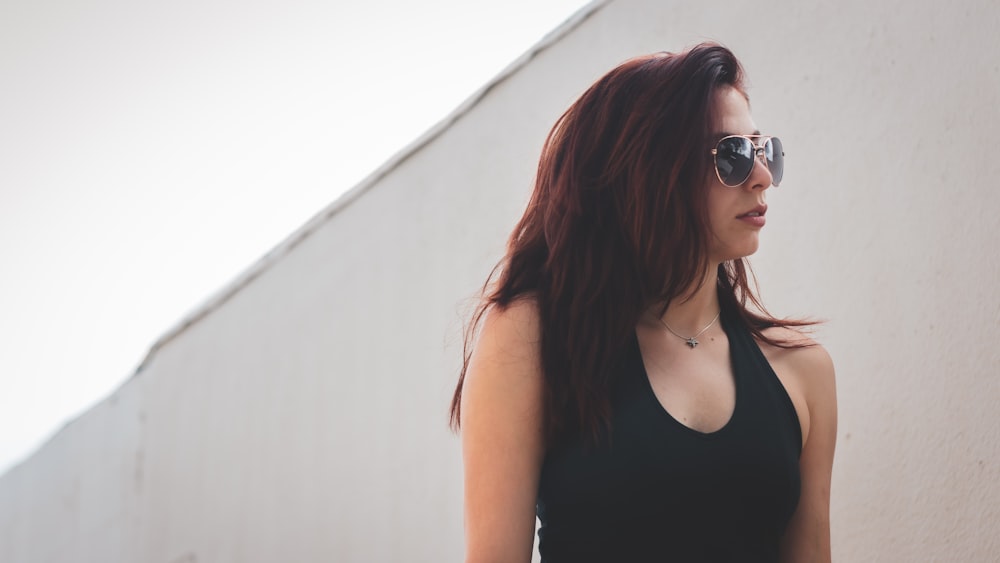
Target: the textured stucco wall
(301, 415)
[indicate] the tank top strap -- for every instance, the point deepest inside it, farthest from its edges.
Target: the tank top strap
(750, 364)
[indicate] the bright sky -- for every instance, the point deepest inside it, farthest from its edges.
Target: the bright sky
(150, 152)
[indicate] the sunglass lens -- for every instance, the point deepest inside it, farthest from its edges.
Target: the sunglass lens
(775, 159)
(734, 158)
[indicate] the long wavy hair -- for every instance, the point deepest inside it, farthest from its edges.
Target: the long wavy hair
(618, 222)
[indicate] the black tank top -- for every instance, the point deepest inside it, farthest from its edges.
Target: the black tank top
(660, 491)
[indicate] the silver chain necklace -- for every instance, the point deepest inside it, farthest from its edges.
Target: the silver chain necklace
(691, 341)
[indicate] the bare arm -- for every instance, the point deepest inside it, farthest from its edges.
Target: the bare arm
(807, 538)
(502, 439)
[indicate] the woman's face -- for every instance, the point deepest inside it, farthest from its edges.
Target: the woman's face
(733, 211)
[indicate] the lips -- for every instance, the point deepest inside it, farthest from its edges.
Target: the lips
(758, 211)
(754, 217)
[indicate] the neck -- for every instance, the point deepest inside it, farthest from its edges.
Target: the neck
(695, 309)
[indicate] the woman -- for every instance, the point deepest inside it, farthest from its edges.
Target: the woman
(621, 387)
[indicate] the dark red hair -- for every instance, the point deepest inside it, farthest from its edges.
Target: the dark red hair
(618, 222)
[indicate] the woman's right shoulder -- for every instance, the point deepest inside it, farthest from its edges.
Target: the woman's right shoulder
(512, 326)
(507, 352)
(502, 434)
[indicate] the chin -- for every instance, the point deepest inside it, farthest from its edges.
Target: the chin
(735, 252)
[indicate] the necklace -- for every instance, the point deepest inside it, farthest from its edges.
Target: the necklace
(691, 341)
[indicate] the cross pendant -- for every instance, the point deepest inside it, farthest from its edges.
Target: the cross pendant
(691, 342)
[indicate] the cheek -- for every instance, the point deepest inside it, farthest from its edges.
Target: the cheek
(717, 210)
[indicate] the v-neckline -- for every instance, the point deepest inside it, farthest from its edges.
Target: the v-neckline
(650, 393)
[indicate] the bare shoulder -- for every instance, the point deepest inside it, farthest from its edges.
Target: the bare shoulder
(510, 334)
(807, 374)
(502, 434)
(808, 359)
(518, 320)
(504, 377)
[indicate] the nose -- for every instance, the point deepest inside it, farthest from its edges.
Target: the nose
(760, 177)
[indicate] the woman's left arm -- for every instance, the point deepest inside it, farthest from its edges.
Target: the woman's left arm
(807, 538)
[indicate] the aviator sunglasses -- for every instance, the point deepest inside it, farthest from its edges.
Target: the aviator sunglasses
(735, 156)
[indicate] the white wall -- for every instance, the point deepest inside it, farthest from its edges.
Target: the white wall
(302, 414)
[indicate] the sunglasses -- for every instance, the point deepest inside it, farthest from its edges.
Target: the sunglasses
(736, 155)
